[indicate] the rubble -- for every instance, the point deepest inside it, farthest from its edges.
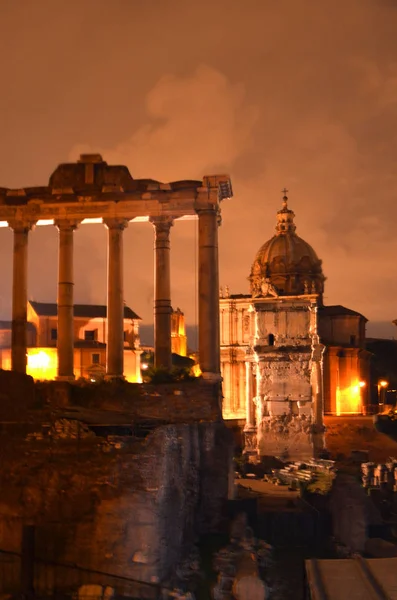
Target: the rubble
(380, 475)
(297, 473)
(188, 575)
(240, 564)
(70, 429)
(94, 592)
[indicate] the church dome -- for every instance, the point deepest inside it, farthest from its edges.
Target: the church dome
(286, 265)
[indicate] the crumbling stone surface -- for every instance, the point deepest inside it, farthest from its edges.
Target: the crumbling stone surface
(17, 394)
(169, 403)
(242, 564)
(133, 511)
(352, 513)
(119, 478)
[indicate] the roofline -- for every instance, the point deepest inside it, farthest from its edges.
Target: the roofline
(31, 302)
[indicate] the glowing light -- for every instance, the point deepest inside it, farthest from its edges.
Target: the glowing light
(348, 400)
(39, 360)
(42, 363)
(3, 224)
(45, 222)
(362, 384)
(196, 371)
(144, 366)
(94, 220)
(383, 383)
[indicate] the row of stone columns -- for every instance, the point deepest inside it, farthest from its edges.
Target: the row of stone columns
(208, 296)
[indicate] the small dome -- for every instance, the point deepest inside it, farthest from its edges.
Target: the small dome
(286, 265)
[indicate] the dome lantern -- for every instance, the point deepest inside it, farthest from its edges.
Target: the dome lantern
(285, 217)
(286, 265)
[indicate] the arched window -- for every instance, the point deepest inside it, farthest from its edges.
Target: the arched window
(270, 338)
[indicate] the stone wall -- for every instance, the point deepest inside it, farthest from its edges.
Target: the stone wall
(130, 505)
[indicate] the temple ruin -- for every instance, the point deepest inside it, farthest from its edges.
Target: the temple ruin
(90, 190)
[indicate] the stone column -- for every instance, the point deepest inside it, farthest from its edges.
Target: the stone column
(65, 336)
(115, 306)
(209, 342)
(162, 292)
(250, 409)
(19, 297)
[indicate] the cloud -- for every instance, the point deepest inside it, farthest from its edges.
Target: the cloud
(296, 94)
(195, 124)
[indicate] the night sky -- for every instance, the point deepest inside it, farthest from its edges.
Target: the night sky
(295, 93)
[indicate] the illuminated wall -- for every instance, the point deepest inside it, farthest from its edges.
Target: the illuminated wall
(346, 380)
(42, 363)
(178, 333)
(234, 337)
(349, 400)
(132, 366)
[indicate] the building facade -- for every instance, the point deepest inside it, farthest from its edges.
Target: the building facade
(90, 326)
(285, 358)
(178, 333)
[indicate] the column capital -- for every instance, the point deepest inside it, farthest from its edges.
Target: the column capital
(211, 210)
(21, 226)
(162, 224)
(66, 224)
(115, 223)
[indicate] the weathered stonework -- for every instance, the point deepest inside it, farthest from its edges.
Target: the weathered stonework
(286, 355)
(287, 375)
(271, 351)
(130, 505)
(93, 190)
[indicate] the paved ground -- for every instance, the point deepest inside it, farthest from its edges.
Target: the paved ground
(270, 497)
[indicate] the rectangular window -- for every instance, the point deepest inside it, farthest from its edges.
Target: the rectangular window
(54, 335)
(126, 336)
(90, 335)
(352, 340)
(96, 359)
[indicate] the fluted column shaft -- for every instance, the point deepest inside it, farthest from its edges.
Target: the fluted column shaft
(162, 292)
(65, 337)
(115, 302)
(19, 298)
(208, 284)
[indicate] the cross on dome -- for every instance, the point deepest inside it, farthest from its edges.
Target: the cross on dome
(285, 197)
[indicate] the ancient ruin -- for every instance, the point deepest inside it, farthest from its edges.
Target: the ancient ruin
(93, 191)
(110, 480)
(115, 478)
(286, 359)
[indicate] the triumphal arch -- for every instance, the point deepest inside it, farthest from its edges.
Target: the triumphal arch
(90, 190)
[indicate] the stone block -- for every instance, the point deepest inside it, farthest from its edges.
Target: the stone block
(305, 408)
(277, 407)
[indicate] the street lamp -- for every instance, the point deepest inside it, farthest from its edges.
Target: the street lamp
(382, 385)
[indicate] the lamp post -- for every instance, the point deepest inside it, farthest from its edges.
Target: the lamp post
(382, 385)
